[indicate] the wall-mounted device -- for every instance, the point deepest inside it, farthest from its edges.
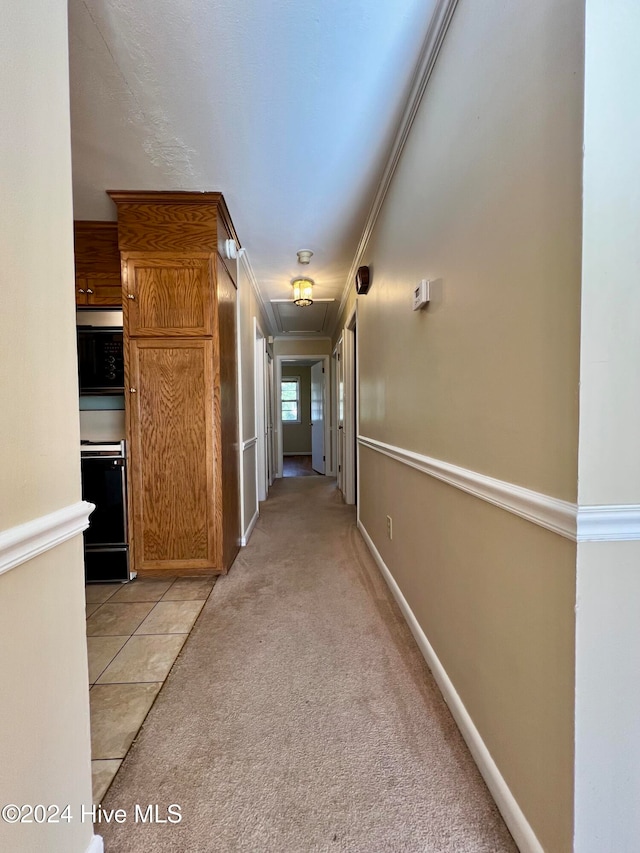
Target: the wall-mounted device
(363, 280)
(421, 294)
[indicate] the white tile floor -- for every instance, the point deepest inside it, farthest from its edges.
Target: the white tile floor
(134, 634)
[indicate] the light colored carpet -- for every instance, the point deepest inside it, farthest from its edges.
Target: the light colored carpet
(300, 715)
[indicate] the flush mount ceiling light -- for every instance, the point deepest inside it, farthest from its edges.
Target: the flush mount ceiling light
(302, 290)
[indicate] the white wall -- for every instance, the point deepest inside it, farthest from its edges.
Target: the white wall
(608, 604)
(44, 698)
(249, 311)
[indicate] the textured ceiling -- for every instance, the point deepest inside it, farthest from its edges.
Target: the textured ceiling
(288, 107)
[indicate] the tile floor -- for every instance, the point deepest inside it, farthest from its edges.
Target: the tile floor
(134, 634)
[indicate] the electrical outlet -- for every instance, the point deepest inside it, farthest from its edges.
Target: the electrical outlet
(389, 527)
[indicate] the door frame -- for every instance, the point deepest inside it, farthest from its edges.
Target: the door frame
(260, 411)
(279, 361)
(350, 369)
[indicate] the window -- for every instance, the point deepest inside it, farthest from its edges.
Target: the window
(290, 400)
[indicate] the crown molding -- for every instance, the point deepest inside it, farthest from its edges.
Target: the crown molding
(243, 258)
(436, 33)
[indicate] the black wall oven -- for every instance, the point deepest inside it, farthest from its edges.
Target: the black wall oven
(106, 552)
(100, 360)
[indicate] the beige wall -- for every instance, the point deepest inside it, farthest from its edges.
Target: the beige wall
(296, 438)
(316, 346)
(486, 202)
(44, 701)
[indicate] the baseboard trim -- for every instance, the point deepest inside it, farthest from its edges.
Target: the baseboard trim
(96, 845)
(295, 453)
(23, 542)
(247, 534)
(517, 823)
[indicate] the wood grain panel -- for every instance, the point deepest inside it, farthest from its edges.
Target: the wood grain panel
(171, 295)
(167, 222)
(96, 248)
(106, 290)
(227, 298)
(172, 454)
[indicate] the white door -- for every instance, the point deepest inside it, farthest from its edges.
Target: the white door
(317, 417)
(261, 426)
(340, 416)
(269, 403)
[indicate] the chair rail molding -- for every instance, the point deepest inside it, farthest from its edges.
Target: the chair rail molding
(580, 523)
(250, 442)
(23, 542)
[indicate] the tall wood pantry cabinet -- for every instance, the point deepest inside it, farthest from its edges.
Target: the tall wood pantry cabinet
(179, 304)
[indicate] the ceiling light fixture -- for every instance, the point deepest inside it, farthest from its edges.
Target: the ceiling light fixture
(302, 290)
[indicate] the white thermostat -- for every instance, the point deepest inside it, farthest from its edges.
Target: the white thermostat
(421, 295)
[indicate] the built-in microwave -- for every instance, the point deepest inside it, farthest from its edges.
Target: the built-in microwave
(100, 360)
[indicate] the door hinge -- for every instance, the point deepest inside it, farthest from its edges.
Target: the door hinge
(324, 458)
(323, 369)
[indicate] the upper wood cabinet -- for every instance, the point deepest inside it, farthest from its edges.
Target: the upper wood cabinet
(179, 308)
(97, 262)
(168, 296)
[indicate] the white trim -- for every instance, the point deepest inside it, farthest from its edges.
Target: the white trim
(247, 534)
(585, 523)
(278, 423)
(438, 27)
(26, 541)
(310, 337)
(609, 523)
(239, 372)
(517, 823)
(249, 443)
(554, 514)
(96, 845)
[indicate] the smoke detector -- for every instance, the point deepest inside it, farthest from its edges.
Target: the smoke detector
(304, 256)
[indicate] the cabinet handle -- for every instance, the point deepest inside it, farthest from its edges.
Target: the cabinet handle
(81, 290)
(132, 390)
(89, 291)
(130, 296)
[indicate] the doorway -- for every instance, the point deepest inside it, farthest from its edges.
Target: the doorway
(346, 406)
(303, 416)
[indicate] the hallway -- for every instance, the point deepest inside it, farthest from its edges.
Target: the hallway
(300, 714)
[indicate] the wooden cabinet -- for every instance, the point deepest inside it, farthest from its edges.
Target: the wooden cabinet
(97, 259)
(172, 454)
(179, 305)
(171, 296)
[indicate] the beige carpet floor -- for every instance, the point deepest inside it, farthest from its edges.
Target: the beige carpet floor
(300, 715)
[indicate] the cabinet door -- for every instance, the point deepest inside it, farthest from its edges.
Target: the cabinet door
(81, 290)
(172, 455)
(105, 291)
(167, 296)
